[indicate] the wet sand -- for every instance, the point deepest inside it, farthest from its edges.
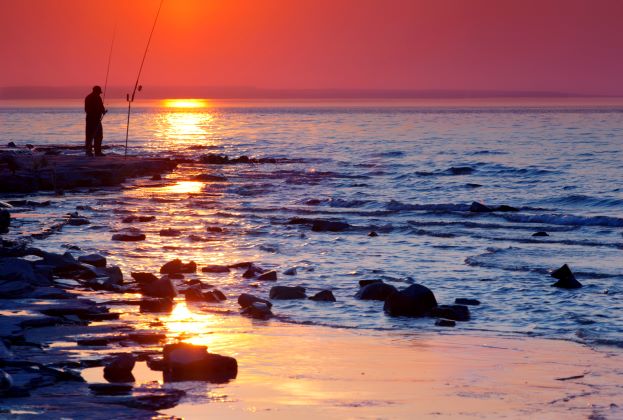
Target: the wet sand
(296, 371)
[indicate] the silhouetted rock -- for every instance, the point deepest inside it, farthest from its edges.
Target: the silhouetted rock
(373, 234)
(140, 219)
(95, 260)
(162, 287)
(214, 229)
(170, 232)
(375, 291)
(329, 226)
(219, 295)
(479, 208)
(366, 282)
(176, 266)
(287, 292)
(290, 272)
(11, 144)
(540, 233)
(566, 279)
(144, 278)
(16, 269)
(257, 310)
(215, 269)
(246, 299)
(323, 296)
(268, 276)
(194, 294)
(156, 305)
(129, 235)
(453, 312)
(465, 301)
(75, 220)
(445, 323)
(5, 221)
(416, 300)
(11, 289)
(252, 271)
(505, 208)
(188, 362)
(209, 178)
(120, 368)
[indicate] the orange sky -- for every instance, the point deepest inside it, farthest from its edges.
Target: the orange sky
(536, 45)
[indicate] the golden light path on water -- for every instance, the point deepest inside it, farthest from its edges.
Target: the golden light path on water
(185, 122)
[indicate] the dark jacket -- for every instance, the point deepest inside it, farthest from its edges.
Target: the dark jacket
(94, 107)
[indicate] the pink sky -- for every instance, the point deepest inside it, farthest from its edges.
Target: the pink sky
(535, 45)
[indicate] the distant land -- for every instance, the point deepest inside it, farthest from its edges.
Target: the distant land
(249, 92)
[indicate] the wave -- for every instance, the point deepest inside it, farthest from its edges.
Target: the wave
(564, 219)
(584, 201)
(394, 205)
(452, 171)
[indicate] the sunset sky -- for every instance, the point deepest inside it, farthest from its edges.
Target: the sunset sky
(533, 45)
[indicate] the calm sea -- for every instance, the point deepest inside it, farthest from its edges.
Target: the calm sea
(408, 171)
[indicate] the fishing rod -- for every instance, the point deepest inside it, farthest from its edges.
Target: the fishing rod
(138, 87)
(112, 43)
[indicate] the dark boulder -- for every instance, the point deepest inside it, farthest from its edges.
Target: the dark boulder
(246, 299)
(453, 312)
(329, 226)
(219, 295)
(176, 266)
(373, 234)
(375, 291)
(323, 296)
(129, 235)
(11, 289)
(366, 282)
(540, 233)
(215, 269)
(287, 292)
(476, 207)
(465, 301)
(416, 300)
(95, 260)
(141, 219)
(144, 278)
(5, 221)
(170, 232)
(268, 276)
(209, 178)
(290, 272)
(188, 362)
(252, 271)
(162, 287)
(566, 279)
(194, 294)
(120, 368)
(505, 208)
(257, 310)
(445, 323)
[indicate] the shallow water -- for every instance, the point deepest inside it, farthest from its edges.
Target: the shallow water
(408, 172)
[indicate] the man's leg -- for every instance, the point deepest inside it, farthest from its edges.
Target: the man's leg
(99, 136)
(88, 142)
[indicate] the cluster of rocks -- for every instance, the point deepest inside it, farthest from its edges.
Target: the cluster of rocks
(215, 159)
(476, 207)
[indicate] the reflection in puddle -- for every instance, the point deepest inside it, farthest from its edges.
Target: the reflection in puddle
(142, 373)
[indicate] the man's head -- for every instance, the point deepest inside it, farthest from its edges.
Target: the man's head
(97, 89)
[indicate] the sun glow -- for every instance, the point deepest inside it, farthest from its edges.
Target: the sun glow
(185, 103)
(185, 187)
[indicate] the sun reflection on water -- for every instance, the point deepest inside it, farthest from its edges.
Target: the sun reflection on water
(190, 326)
(185, 187)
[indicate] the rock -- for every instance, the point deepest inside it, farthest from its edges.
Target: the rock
(6, 382)
(566, 279)
(94, 342)
(246, 299)
(465, 301)
(373, 234)
(214, 229)
(140, 219)
(244, 264)
(454, 312)
(144, 278)
(5, 220)
(540, 233)
(75, 220)
(156, 305)
(188, 362)
(12, 289)
(209, 178)
(416, 300)
(170, 232)
(157, 399)
(323, 296)
(268, 276)
(375, 291)
(329, 226)
(129, 235)
(156, 177)
(175, 276)
(257, 310)
(252, 271)
(505, 208)
(162, 287)
(16, 269)
(11, 144)
(290, 272)
(287, 292)
(366, 282)
(215, 269)
(110, 389)
(113, 275)
(479, 208)
(120, 368)
(95, 260)
(220, 295)
(147, 337)
(176, 266)
(194, 294)
(445, 323)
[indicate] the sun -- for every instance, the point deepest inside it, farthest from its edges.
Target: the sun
(185, 103)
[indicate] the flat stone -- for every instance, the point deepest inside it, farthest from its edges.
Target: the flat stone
(287, 292)
(95, 260)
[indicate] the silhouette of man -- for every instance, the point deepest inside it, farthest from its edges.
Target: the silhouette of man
(94, 107)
